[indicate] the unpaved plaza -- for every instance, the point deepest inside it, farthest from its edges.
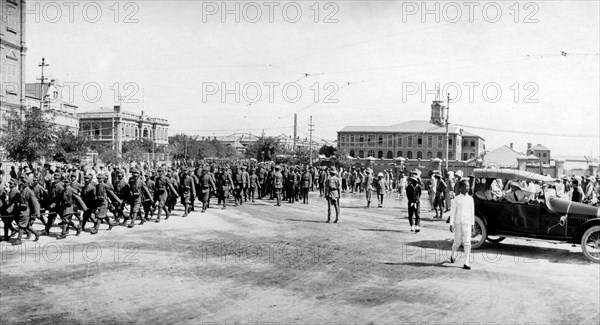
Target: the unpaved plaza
(264, 264)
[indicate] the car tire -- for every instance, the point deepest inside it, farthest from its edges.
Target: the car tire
(591, 240)
(478, 237)
(495, 240)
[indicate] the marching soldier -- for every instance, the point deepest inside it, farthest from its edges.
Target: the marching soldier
(102, 203)
(238, 183)
(225, 182)
(206, 185)
(121, 188)
(148, 203)
(254, 183)
(55, 189)
(89, 196)
(245, 182)
(67, 202)
(187, 191)
(135, 197)
(161, 185)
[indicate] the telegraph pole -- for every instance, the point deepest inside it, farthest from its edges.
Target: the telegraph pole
(295, 131)
(42, 79)
(310, 131)
(447, 125)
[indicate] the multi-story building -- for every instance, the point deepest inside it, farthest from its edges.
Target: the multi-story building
(48, 95)
(115, 126)
(539, 151)
(416, 139)
(12, 58)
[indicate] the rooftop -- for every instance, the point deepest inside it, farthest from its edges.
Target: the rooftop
(413, 126)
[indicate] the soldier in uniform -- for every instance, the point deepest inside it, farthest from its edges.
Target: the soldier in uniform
(245, 182)
(102, 203)
(89, 196)
(206, 186)
(55, 189)
(121, 188)
(238, 183)
(161, 185)
(25, 204)
(254, 183)
(173, 187)
(225, 182)
(269, 183)
(42, 196)
(148, 203)
(135, 197)
(277, 184)
(306, 184)
(66, 203)
(332, 194)
(186, 191)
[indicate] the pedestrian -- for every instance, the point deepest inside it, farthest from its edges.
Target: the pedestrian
(332, 194)
(135, 197)
(440, 190)
(253, 184)
(306, 184)
(462, 221)
(277, 184)
(413, 194)
(368, 186)
(380, 187)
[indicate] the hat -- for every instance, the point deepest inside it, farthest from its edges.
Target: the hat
(516, 184)
(89, 176)
(415, 178)
(159, 169)
(26, 170)
(380, 174)
(135, 170)
(459, 173)
(99, 176)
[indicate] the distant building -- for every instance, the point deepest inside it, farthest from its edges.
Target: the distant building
(116, 126)
(539, 151)
(12, 58)
(64, 114)
(507, 157)
(417, 139)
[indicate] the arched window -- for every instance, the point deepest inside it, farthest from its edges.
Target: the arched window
(419, 155)
(389, 155)
(409, 155)
(399, 154)
(145, 134)
(371, 153)
(439, 154)
(352, 153)
(429, 155)
(361, 154)
(380, 154)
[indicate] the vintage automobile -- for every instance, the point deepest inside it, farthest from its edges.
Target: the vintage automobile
(544, 216)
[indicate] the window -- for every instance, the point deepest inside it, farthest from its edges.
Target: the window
(439, 155)
(544, 155)
(450, 142)
(370, 139)
(429, 155)
(380, 154)
(380, 140)
(465, 156)
(361, 154)
(472, 155)
(409, 155)
(450, 156)
(342, 139)
(420, 141)
(352, 138)
(390, 141)
(473, 143)
(361, 138)
(440, 142)
(465, 142)
(399, 141)
(429, 141)
(352, 153)
(389, 155)
(409, 141)
(419, 155)
(399, 154)
(371, 153)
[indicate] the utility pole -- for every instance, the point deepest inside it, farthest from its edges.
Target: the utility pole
(310, 131)
(447, 125)
(42, 79)
(295, 131)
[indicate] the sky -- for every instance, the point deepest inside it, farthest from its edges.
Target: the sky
(517, 72)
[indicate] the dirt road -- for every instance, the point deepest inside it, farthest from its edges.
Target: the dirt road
(264, 264)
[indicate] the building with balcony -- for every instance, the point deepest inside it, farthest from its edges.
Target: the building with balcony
(115, 126)
(48, 96)
(416, 139)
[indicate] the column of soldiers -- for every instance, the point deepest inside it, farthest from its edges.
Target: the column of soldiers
(72, 198)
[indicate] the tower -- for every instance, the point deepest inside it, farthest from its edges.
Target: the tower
(437, 112)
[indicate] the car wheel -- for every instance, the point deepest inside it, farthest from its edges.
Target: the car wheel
(590, 244)
(479, 235)
(495, 240)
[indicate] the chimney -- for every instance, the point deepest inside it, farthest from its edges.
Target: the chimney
(117, 108)
(511, 145)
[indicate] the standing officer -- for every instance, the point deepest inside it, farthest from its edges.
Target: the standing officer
(187, 191)
(238, 184)
(332, 194)
(277, 184)
(254, 184)
(245, 182)
(413, 193)
(291, 182)
(306, 184)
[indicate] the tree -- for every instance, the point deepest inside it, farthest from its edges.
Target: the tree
(69, 147)
(28, 139)
(265, 149)
(326, 150)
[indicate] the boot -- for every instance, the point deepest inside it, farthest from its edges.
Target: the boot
(78, 231)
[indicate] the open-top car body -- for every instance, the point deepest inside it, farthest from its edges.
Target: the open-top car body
(544, 216)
